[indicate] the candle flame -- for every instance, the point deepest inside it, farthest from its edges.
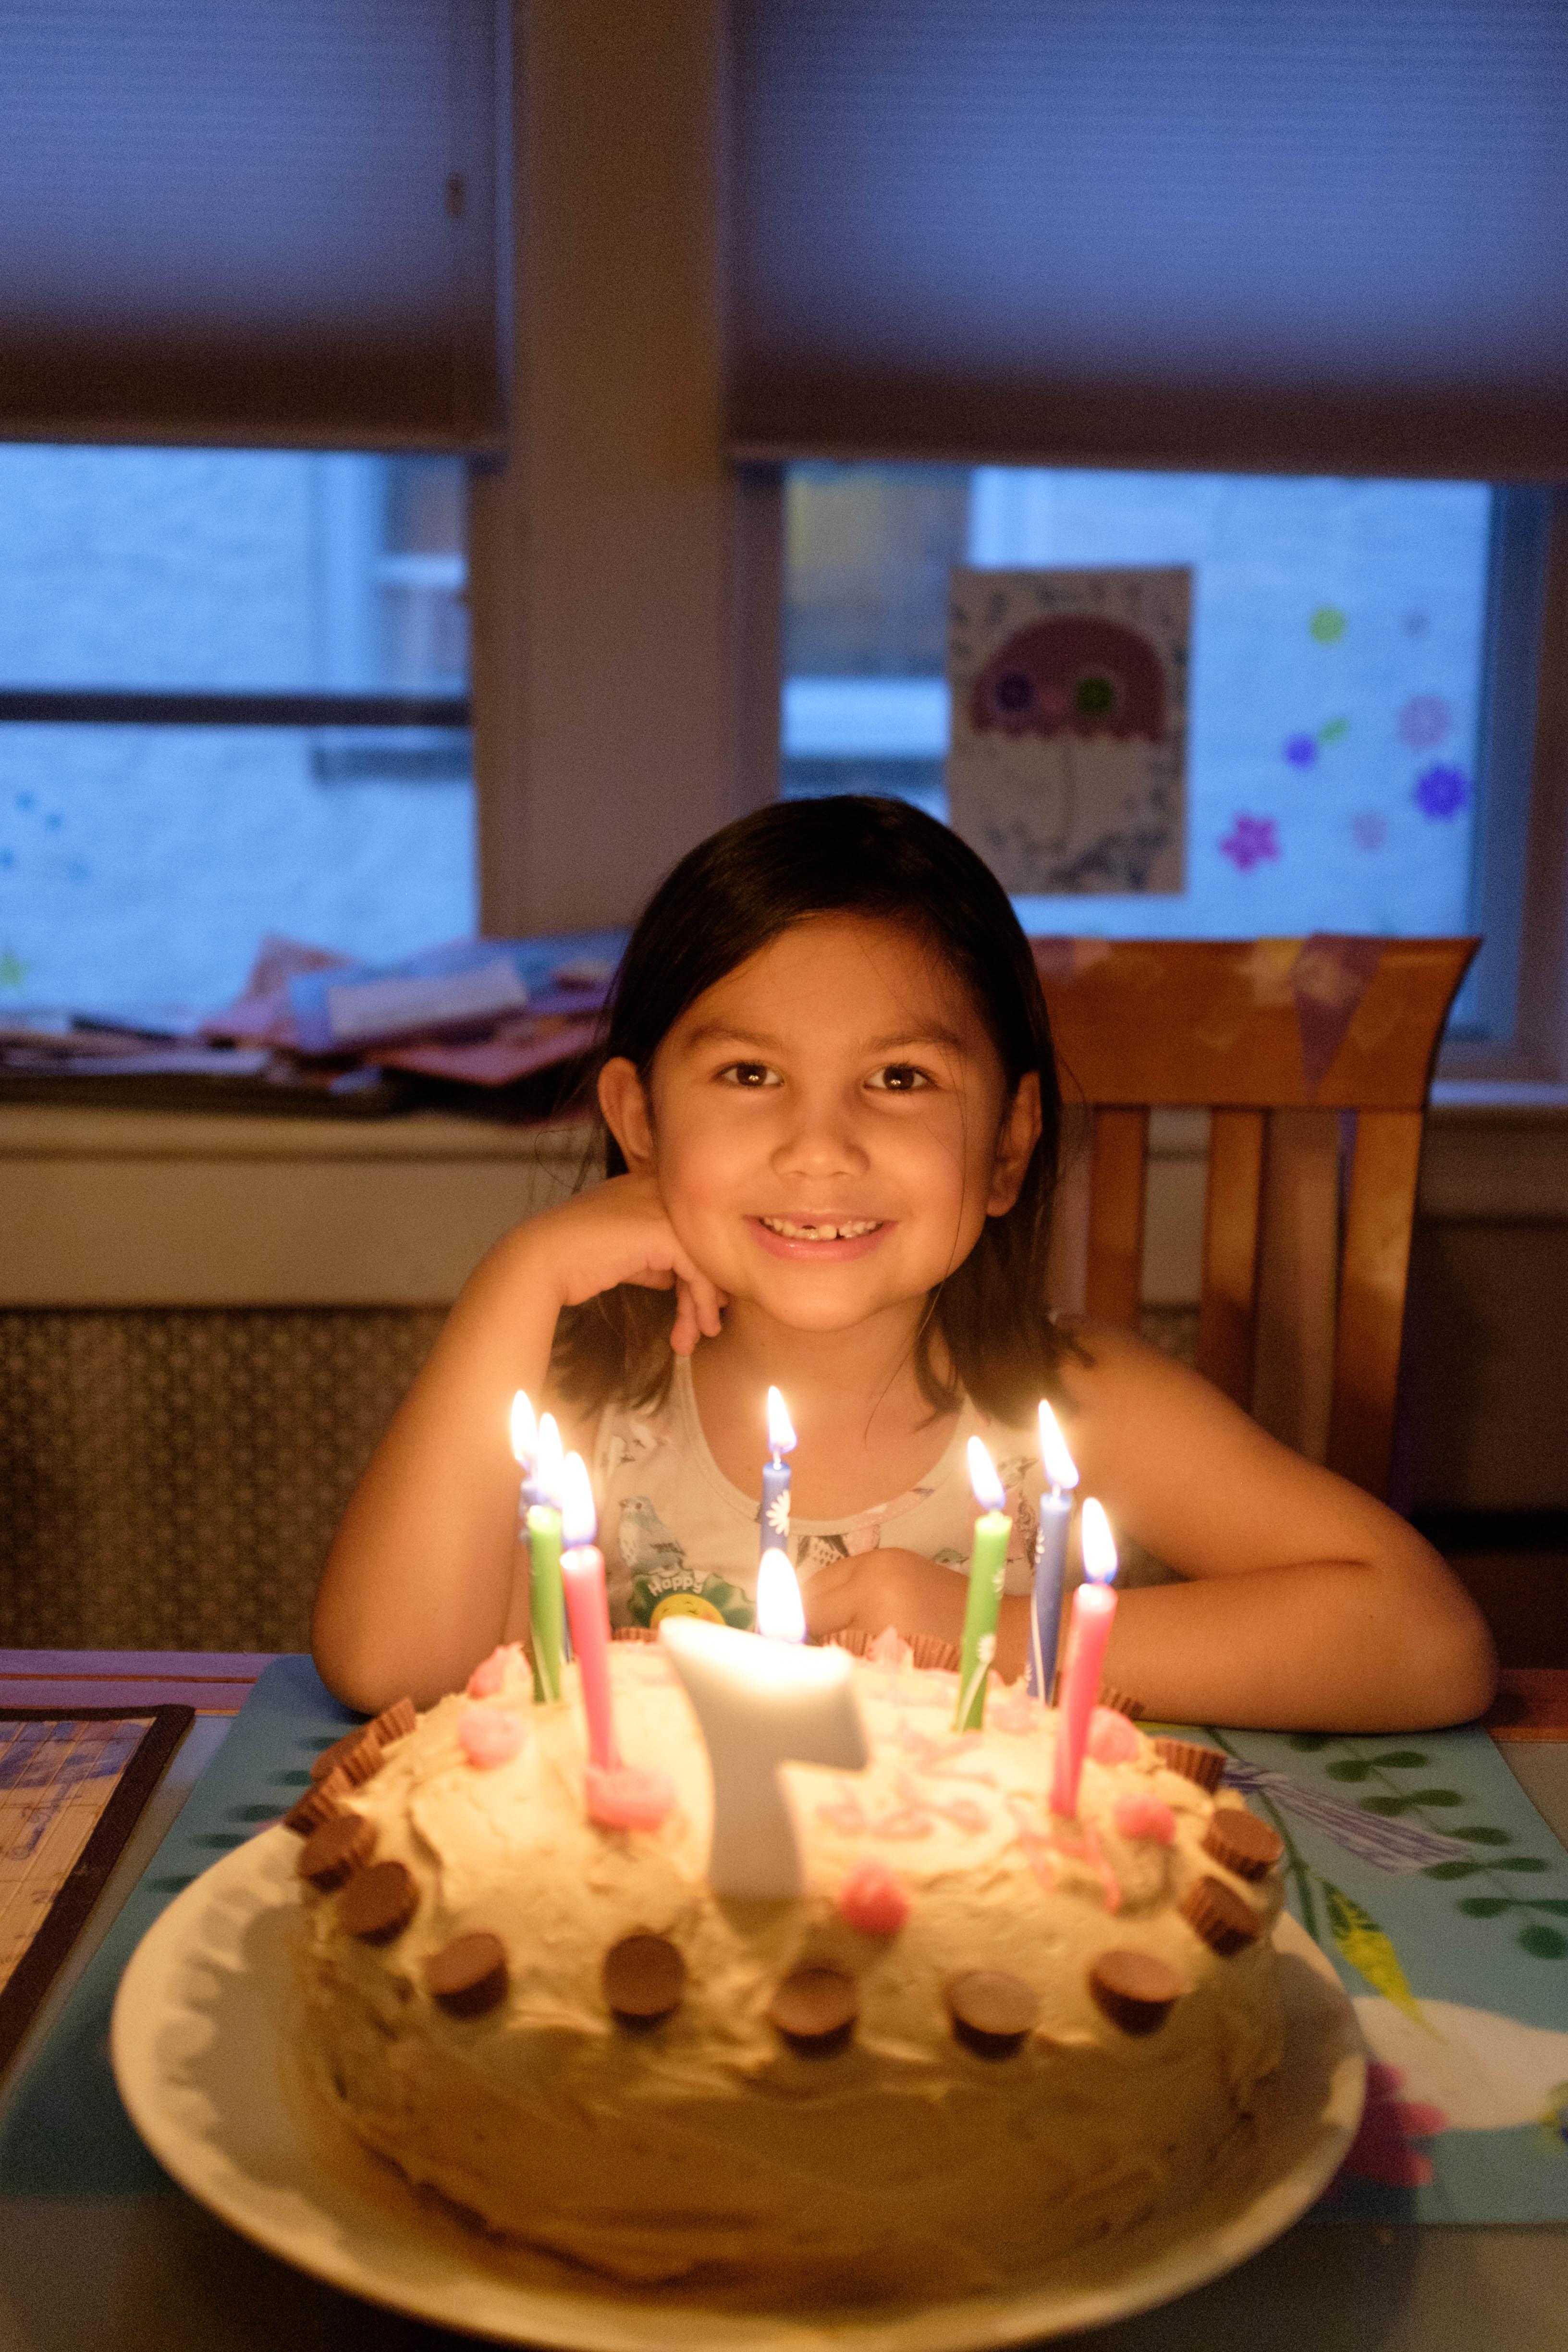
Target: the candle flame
(780, 1616)
(547, 1461)
(1060, 1468)
(1098, 1544)
(579, 1522)
(989, 1491)
(780, 1429)
(524, 1431)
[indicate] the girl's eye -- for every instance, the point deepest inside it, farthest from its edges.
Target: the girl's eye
(749, 1074)
(898, 1078)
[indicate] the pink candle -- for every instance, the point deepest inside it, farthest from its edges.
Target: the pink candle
(1093, 1609)
(582, 1573)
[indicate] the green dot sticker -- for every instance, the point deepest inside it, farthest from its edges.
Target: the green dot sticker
(1327, 625)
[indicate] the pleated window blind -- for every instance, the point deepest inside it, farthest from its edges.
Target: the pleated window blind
(1206, 234)
(262, 221)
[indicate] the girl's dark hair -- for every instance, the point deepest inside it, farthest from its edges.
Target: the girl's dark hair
(727, 900)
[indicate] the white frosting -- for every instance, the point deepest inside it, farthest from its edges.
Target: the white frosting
(906, 2163)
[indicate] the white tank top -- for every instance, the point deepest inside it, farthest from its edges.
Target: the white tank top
(677, 1536)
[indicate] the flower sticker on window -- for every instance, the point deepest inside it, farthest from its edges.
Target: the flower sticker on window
(1441, 792)
(1249, 842)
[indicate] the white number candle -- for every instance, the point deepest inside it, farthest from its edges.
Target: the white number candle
(1093, 1607)
(780, 1616)
(759, 1704)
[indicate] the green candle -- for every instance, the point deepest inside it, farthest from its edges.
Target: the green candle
(987, 1568)
(547, 1598)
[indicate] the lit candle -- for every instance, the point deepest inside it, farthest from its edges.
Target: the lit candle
(1093, 1607)
(987, 1568)
(776, 1475)
(524, 1450)
(582, 1573)
(759, 1704)
(544, 1595)
(1050, 1554)
(780, 1616)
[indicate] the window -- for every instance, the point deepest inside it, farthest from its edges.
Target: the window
(233, 699)
(1347, 665)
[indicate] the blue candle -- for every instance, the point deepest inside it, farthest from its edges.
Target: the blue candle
(774, 1513)
(1050, 1554)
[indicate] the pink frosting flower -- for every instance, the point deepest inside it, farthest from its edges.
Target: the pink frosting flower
(490, 1674)
(489, 1736)
(1112, 1738)
(873, 1900)
(625, 1797)
(1381, 2150)
(1139, 1815)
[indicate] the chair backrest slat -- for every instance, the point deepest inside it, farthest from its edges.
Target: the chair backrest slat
(1373, 1267)
(1118, 1189)
(1246, 1029)
(1233, 1219)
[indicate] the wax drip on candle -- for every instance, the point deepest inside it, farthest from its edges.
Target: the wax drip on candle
(773, 1517)
(780, 1614)
(1093, 1610)
(1050, 1554)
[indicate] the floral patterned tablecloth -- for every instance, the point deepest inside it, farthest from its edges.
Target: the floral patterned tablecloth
(1422, 1869)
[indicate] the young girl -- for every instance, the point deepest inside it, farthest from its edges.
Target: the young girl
(831, 1121)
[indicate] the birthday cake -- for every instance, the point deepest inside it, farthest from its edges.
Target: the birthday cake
(981, 2034)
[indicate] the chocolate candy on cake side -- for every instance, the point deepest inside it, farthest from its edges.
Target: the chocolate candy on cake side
(993, 2013)
(332, 1854)
(467, 1977)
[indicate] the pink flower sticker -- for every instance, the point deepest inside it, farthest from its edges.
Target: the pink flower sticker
(1138, 1815)
(489, 1735)
(625, 1797)
(873, 1900)
(1381, 2150)
(1112, 1738)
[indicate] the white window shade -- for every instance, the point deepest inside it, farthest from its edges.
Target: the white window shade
(262, 221)
(1227, 234)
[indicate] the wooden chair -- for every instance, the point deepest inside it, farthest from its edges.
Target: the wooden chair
(1247, 1030)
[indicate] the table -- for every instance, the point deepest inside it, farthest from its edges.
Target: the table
(132, 2273)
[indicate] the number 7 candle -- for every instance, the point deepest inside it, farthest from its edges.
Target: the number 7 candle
(1093, 1609)
(987, 1568)
(1050, 1554)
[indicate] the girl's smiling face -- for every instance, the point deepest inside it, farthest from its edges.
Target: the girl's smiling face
(829, 1124)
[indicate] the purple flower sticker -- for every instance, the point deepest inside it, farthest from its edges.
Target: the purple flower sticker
(1302, 750)
(1424, 721)
(1369, 831)
(1441, 792)
(1250, 840)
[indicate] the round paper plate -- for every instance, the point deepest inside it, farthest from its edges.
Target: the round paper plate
(200, 2045)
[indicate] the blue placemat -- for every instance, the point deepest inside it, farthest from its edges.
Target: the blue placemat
(1418, 1863)
(64, 2132)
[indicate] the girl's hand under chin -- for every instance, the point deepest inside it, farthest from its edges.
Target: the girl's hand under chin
(620, 1231)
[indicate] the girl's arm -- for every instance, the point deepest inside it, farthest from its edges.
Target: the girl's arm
(422, 1581)
(1308, 1604)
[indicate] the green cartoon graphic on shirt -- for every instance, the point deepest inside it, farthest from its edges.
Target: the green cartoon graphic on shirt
(661, 1583)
